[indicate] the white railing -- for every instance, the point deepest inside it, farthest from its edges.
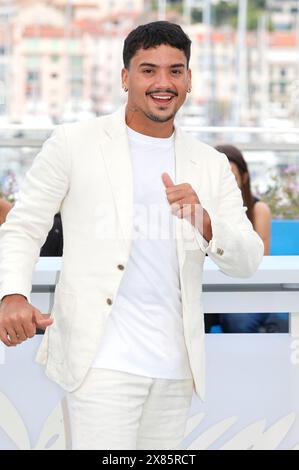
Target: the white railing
(248, 137)
(273, 288)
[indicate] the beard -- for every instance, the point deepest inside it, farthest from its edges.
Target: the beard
(155, 118)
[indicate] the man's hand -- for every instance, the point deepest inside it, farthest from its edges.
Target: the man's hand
(185, 204)
(19, 320)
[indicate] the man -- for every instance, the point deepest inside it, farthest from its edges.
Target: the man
(126, 337)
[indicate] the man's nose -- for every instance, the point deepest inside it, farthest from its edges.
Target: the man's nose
(162, 79)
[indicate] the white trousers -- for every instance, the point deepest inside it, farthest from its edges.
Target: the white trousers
(118, 410)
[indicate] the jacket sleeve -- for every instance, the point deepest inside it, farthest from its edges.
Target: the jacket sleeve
(235, 247)
(28, 223)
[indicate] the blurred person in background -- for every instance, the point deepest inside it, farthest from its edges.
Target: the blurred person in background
(259, 214)
(125, 338)
(5, 207)
(53, 245)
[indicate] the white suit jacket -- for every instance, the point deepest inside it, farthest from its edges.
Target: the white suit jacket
(84, 170)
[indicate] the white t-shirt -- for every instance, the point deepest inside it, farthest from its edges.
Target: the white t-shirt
(144, 331)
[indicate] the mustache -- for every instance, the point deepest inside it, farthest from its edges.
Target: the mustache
(152, 92)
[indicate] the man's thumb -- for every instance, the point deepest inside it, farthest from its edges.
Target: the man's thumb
(167, 181)
(42, 320)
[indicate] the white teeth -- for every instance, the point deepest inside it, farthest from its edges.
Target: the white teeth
(162, 97)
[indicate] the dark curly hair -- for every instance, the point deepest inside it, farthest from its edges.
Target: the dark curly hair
(154, 34)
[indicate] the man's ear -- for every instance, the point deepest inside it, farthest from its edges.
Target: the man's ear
(189, 78)
(124, 77)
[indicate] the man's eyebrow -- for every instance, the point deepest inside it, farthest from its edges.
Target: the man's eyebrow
(148, 64)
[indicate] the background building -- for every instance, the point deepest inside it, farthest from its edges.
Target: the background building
(60, 60)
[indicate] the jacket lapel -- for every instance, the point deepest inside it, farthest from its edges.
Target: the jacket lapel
(115, 151)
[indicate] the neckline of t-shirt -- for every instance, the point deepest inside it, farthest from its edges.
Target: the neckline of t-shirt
(146, 139)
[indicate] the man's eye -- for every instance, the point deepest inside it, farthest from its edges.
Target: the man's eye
(147, 70)
(177, 72)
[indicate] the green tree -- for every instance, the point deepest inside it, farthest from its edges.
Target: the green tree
(227, 13)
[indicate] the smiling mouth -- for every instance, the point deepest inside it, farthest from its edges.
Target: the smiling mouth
(162, 99)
